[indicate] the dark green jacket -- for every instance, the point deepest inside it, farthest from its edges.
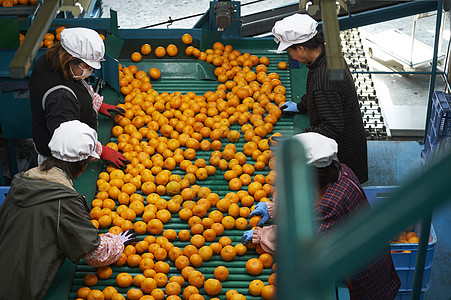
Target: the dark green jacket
(41, 223)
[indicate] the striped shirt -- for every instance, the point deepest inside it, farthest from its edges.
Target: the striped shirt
(333, 111)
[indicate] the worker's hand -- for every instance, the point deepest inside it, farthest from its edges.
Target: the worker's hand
(113, 157)
(107, 110)
(262, 210)
(247, 237)
(289, 107)
(128, 237)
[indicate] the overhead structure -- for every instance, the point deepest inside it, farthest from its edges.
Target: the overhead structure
(26, 52)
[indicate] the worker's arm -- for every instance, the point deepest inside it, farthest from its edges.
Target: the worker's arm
(330, 109)
(266, 237)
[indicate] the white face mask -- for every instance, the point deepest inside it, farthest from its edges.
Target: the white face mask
(86, 73)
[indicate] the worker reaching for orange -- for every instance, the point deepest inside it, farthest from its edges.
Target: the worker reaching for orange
(340, 195)
(43, 219)
(59, 92)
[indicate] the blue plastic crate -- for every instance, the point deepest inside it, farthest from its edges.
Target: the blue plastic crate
(438, 138)
(3, 191)
(406, 295)
(404, 261)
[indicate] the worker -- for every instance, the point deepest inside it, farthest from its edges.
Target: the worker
(43, 219)
(339, 196)
(332, 105)
(59, 92)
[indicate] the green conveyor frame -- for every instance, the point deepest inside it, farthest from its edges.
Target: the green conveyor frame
(197, 77)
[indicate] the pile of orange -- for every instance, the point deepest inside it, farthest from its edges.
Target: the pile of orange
(162, 135)
(406, 237)
(49, 38)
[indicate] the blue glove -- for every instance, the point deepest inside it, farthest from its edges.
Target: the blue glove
(247, 237)
(262, 210)
(289, 107)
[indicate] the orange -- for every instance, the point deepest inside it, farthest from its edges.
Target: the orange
(184, 235)
(240, 249)
(134, 294)
(172, 50)
(155, 226)
(255, 287)
(195, 260)
(158, 294)
(266, 259)
(196, 278)
(104, 272)
(136, 56)
(173, 288)
(95, 295)
(187, 39)
(90, 279)
(148, 285)
(205, 252)
(161, 279)
(108, 292)
(124, 279)
(228, 253)
(83, 292)
(254, 266)
(179, 279)
(197, 240)
(218, 228)
(118, 296)
(272, 279)
(221, 273)
(146, 49)
(230, 294)
(133, 260)
(212, 287)
(190, 290)
(268, 292)
(160, 51)
(181, 262)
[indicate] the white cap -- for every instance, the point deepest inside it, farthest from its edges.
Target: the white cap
(85, 44)
(319, 149)
(73, 141)
(294, 29)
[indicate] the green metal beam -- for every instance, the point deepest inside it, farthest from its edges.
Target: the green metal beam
(308, 267)
(24, 56)
(334, 55)
(295, 223)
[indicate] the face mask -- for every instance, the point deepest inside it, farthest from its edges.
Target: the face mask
(86, 73)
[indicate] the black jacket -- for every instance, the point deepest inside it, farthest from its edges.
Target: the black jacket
(71, 100)
(41, 223)
(333, 110)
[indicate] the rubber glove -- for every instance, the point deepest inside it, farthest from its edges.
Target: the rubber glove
(107, 110)
(113, 157)
(247, 237)
(262, 210)
(289, 107)
(128, 236)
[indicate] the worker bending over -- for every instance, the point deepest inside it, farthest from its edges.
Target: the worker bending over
(43, 219)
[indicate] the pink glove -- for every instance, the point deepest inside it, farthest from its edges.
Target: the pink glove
(113, 157)
(107, 110)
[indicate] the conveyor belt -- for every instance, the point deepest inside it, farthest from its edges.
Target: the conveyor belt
(238, 279)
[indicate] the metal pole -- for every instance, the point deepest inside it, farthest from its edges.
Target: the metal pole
(27, 51)
(434, 63)
(421, 257)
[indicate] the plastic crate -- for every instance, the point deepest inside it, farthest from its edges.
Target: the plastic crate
(406, 295)
(404, 262)
(3, 191)
(438, 138)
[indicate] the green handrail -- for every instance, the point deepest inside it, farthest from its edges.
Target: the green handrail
(309, 266)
